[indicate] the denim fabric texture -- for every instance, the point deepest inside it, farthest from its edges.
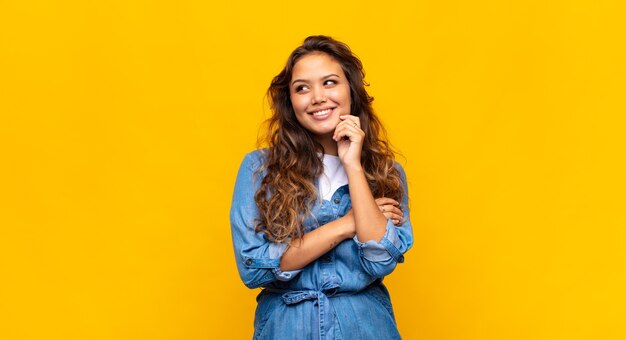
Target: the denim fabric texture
(338, 296)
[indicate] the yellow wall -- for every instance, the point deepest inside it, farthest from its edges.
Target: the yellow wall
(123, 124)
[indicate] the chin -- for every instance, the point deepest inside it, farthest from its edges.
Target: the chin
(326, 129)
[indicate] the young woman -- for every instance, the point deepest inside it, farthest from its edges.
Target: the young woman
(320, 216)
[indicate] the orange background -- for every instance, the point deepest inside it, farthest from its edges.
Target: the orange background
(123, 124)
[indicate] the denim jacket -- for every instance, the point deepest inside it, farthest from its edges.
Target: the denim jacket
(349, 267)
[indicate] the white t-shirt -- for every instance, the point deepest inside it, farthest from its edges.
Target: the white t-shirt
(333, 178)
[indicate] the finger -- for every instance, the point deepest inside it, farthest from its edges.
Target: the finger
(354, 134)
(351, 124)
(394, 210)
(391, 210)
(378, 201)
(392, 216)
(386, 200)
(339, 130)
(352, 120)
(342, 130)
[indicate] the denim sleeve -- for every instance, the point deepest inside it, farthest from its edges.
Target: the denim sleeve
(276, 252)
(380, 258)
(258, 259)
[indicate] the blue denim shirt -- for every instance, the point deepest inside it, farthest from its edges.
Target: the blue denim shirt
(349, 267)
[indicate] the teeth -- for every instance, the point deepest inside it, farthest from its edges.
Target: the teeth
(321, 113)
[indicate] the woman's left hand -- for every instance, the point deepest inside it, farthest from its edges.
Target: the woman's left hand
(391, 209)
(349, 138)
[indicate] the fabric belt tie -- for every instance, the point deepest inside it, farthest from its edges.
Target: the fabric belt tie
(326, 316)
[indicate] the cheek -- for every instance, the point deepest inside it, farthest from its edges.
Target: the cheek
(298, 104)
(348, 100)
(343, 95)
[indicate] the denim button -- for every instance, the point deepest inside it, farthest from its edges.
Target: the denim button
(336, 200)
(248, 262)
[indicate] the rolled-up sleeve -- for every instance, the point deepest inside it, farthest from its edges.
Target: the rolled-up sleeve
(258, 259)
(380, 258)
(276, 252)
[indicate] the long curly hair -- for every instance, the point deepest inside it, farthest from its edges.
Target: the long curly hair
(292, 161)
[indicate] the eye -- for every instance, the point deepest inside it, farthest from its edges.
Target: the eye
(300, 88)
(330, 82)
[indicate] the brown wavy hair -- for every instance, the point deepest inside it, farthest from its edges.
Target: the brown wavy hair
(292, 162)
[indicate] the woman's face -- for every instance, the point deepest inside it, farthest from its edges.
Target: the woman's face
(320, 93)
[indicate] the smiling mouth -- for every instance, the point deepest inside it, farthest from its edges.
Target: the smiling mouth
(322, 112)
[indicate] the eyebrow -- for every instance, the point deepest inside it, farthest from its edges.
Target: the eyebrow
(304, 81)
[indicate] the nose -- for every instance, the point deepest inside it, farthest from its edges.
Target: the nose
(318, 96)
